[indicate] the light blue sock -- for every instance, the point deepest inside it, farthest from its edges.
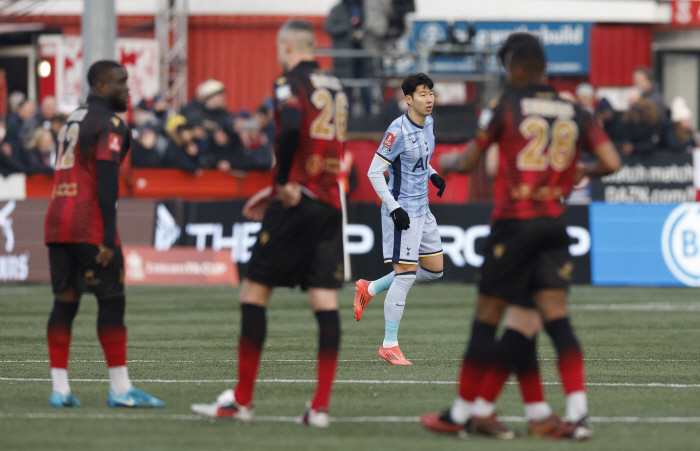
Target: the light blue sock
(391, 333)
(394, 304)
(380, 285)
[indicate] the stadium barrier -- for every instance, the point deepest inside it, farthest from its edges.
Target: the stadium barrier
(612, 244)
(220, 226)
(662, 177)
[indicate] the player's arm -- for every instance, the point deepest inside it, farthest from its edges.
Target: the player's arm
(110, 146)
(607, 158)
(107, 194)
(290, 130)
(391, 147)
(437, 181)
(376, 178)
(462, 163)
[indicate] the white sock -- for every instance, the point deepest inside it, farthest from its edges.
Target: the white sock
(370, 289)
(482, 408)
(119, 379)
(460, 411)
(537, 411)
(576, 406)
(59, 379)
(389, 344)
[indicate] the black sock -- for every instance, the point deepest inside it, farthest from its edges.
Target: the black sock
(253, 324)
(62, 314)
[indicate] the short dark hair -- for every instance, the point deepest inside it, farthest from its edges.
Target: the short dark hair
(414, 80)
(99, 69)
(525, 50)
(298, 25)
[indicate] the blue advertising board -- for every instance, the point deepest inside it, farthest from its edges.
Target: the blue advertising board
(652, 244)
(567, 44)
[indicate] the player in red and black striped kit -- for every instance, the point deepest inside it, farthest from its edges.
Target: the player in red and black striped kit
(527, 265)
(80, 231)
(300, 242)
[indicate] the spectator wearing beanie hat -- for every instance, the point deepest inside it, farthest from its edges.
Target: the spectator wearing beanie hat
(680, 136)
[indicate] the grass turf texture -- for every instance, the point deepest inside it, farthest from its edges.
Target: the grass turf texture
(630, 336)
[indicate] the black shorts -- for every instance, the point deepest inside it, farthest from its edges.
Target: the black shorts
(523, 256)
(302, 245)
(74, 265)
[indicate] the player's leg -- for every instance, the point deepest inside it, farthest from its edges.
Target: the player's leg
(522, 325)
(429, 268)
(394, 305)
(322, 278)
(276, 260)
(430, 261)
(454, 420)
(324, 303)
(540, 419)
(107, 283)
(60, 324)
(551, 285)
(552, 304)
(254, 297)
(238, 404)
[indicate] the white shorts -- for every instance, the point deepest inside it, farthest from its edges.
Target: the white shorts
(422, 239)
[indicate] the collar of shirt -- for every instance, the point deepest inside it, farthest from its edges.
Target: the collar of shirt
(101, 102)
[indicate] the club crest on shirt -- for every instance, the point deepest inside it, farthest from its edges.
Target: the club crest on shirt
(115, 142)
(388, 142)
(283, 92)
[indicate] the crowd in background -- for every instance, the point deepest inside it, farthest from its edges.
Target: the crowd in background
(648, 125)
(203, 135)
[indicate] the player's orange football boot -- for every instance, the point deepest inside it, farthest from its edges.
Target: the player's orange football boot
(362, 298)
(443, 424)
(545, 427)
(393, 356)
(491, 427)
(575, 431)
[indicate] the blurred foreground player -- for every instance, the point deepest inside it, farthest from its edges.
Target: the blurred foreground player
(527, 264)
(410, 237)
(300, 242)
(84, 249)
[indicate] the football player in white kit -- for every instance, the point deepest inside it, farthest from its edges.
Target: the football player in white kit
(410, 237)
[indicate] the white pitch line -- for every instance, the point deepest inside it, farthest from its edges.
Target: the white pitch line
(289, 419)
(346, 381)
(650, 307)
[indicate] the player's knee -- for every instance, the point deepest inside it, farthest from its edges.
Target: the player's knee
(526, 321)
(430, 275)
(111, 309)
(489, 309)
(69, 295)
(404, 280)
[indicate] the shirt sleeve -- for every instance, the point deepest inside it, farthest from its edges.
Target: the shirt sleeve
(594, 134)
(376, 178)
(110, 142)
(490, 124)
(392, 145)
(288, 104)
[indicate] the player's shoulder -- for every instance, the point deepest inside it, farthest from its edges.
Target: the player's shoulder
(429, 121)
(117, 124)
(397, 125)
(321, 78)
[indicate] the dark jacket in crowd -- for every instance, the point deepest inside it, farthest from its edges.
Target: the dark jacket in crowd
(176, 156)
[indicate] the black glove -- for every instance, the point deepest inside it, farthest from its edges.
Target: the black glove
(401, 219)
(439, 183)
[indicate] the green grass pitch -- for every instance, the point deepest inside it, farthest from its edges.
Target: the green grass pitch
(641, 345)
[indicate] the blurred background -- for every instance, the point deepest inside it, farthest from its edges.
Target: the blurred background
(201, 74)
